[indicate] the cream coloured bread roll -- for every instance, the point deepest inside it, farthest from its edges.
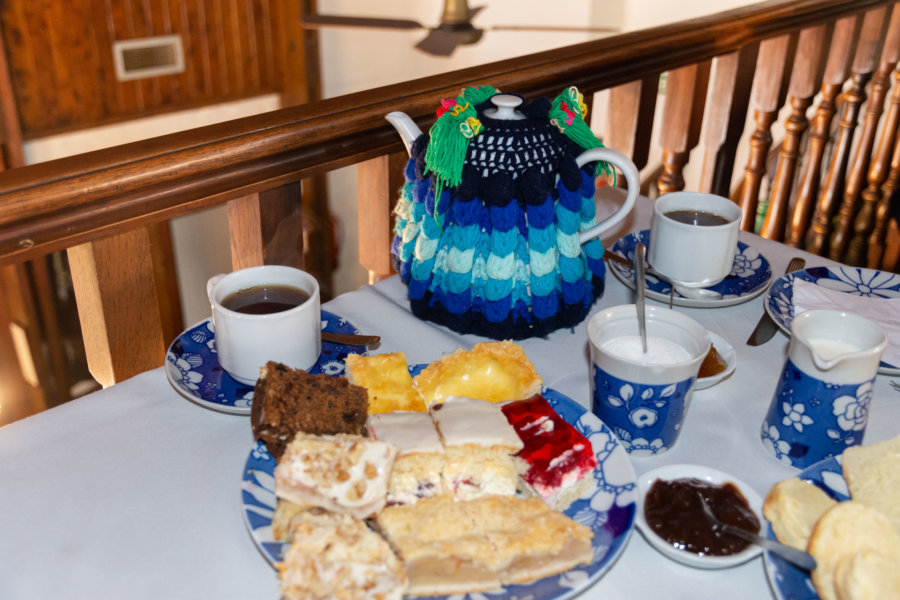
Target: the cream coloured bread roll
(867, 575)
(873, 476)
(793, 506)
(845, 530)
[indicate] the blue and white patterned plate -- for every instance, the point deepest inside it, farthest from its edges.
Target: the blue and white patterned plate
(851, 280)
(748, 278)
(609, 508)
(192, 366)
(790, 582)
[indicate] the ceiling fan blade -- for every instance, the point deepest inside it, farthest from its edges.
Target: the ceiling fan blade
(439, 42)
(321, 21)
(552, 28)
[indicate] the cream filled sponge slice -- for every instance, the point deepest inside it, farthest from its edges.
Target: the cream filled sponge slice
(492, 371)
(419, 465)
(479, 448)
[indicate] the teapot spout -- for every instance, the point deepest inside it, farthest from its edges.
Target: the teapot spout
(406, 127)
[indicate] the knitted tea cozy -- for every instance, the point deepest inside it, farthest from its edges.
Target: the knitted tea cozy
(486, 232)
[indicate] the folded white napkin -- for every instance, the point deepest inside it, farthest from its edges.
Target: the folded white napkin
(883, 311)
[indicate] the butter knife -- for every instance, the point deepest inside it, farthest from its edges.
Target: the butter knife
(766, 327)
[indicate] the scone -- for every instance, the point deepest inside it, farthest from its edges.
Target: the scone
(793, 506)
(867, 575)
(387, 381)
(342, 473)
(844, 531)
(335, 556)
(492, 371)
(873, 476)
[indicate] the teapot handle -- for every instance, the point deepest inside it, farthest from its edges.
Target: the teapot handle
(630, 172)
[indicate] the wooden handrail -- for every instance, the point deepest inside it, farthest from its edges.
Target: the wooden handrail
(61, 203)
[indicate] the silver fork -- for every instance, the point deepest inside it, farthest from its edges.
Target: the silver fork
(797, 557)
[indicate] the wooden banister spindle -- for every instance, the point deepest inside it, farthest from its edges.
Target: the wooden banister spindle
(875, 256)
(374, 210)
(871, 45)
(628, 122)
(830, 196)
(871, 222)
(770, 68)
(835, 73)
(864, 223)
(681, 120)
(801, 89)
(117, 305)
(731, 78)
(266, 228)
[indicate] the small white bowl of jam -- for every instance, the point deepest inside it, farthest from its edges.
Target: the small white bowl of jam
(670, 515)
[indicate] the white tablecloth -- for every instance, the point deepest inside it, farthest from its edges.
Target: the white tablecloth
(134, 492)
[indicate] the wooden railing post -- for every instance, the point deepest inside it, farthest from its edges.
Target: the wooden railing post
(374, 210)
(267, 228)
(117, 305)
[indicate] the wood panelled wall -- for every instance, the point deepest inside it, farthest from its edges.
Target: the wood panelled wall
(61, 59)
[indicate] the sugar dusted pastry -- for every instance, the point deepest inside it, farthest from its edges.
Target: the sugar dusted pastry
(479, 446)
(451, 547)
(419, 465)
(334, 556)
(387, 381)
(492, 371)
(342, 473)
(560, 460)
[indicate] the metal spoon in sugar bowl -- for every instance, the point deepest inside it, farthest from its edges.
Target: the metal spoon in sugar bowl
(641, 302)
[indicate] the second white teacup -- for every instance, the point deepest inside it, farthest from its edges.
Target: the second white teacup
(262, 314)
(693, 237)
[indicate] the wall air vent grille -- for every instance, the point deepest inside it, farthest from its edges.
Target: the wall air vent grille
(148, 57)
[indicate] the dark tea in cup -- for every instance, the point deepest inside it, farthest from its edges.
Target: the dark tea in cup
(696, 217)
(265, 299)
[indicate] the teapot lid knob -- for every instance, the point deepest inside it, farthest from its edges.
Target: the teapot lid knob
(505, 108)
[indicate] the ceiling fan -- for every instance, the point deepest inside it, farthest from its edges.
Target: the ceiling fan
(455, 28)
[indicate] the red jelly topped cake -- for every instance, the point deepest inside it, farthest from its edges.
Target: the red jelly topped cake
(560, 459)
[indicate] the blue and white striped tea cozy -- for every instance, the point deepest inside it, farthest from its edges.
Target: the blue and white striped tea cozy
(486, 233)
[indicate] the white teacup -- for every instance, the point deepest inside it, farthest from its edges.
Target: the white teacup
(245, 341)
(690, 254)
(644, 398)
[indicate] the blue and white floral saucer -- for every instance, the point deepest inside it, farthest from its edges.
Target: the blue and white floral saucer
(787, 581)
(609, 508)
(851, 280)
(192, 366)
(748, 278)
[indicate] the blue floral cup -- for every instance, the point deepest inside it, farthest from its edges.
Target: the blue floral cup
(644, 399)
(821, 402)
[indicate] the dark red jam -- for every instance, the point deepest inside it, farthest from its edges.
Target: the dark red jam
(673, 510)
